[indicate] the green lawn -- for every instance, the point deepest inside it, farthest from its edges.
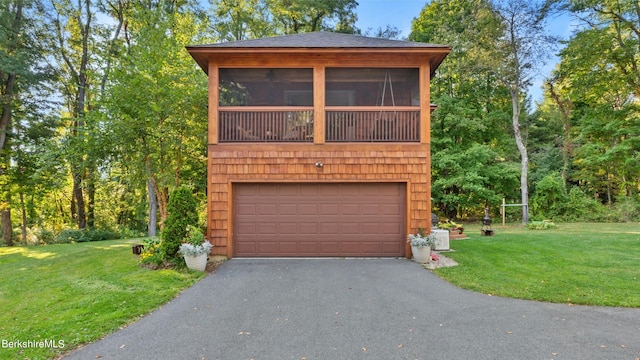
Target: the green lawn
(76, 293)
(593, 264)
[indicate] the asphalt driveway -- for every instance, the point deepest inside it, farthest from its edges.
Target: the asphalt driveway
(362, 309)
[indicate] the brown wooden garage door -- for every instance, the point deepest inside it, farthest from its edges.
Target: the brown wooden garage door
(319, 219)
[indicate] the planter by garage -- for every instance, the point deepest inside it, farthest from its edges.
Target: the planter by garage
(421, 246)
(421, 254)
(198, 262)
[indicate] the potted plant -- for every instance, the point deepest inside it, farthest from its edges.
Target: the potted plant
(195, 249)
(421, 246)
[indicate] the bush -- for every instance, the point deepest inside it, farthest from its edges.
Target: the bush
(541, 225)
(584, 208)
(182, 212)
(550, 198)
(84, 235)
(44, 236)
(151, 256)
(626, 210)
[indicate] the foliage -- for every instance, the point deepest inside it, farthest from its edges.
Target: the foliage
(541, 225)
(151, 254)
(79, 293)
(183, 212)
(582, 208)
(421, 240)
(472, 162)
(156, 106)
(550, 197)
(194, 243)
(84, 235)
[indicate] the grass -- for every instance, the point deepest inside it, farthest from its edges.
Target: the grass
(590, 264)
(77, 293)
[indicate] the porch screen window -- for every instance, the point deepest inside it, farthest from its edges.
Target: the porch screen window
(266, 87)
(373, 86)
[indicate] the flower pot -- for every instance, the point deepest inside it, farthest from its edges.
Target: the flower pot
(198, 262)
(137, 249)
(421, 254)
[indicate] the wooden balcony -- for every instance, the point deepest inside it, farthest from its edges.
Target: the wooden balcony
(240, 125)
(373, 126)
(343, 125)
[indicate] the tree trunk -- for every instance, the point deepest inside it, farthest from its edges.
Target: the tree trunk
(7, 93)
(5, 213)
(524, 157)
(81, 217)
(153, 209)
(91, 194)
(7, 230)
(565, 110)
(162, 194)
(163, 202)
(23, 228)
(5, 118)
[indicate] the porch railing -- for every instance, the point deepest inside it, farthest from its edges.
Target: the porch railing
(373, 126)
(296, 125)
(243, 125)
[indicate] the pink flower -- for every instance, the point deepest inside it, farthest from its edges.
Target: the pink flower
(435, 257)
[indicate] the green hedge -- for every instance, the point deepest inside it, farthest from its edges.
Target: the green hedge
(85, 235)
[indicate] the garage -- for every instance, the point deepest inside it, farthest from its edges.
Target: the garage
(319, 219)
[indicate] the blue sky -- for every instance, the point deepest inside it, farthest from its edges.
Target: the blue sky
(399, 13)
(380, 13)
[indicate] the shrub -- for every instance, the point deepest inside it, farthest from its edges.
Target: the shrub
(541, 225)
(626, 210)
(68, 236)
(583, 208)
(151, 255)
(550, 198)
(182, 212)
(44, 236)
(84, 235)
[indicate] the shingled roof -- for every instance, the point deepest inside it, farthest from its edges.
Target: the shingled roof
(320, 40)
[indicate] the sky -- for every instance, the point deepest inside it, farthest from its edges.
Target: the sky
(399, 13)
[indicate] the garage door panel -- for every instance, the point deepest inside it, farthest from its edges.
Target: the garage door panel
(308, 227)
(332, 228)
(330, 247)
(350, 228)
(388, 228)
(319, 219)
(288, 247)
(287, 228)
(266, 209)
(392, 247)
(308, 209)
(350, 209)
(288, 209)
(268, 247)
(328, 209)
(246, 209)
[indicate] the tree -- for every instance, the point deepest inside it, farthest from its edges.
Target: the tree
(241, 20)
(298, 16)
(599, 72)
(156, 105)
(183, 212)
(19, 77)
(83, 50)
(520, 51)
(471, 165)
